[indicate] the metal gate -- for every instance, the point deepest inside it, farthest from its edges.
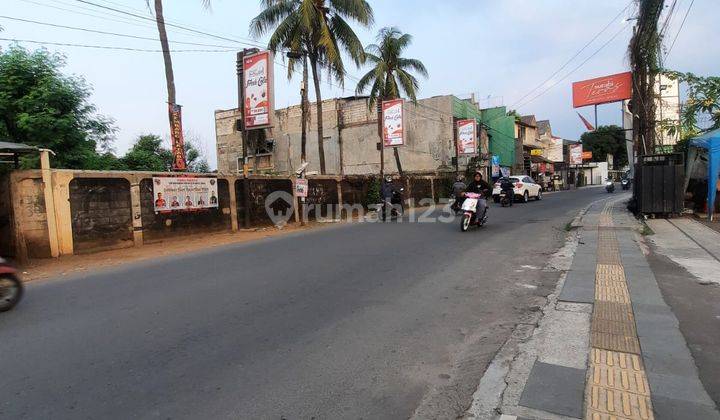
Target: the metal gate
(659, 184)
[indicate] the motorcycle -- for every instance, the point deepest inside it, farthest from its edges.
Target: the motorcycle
(610, 186)
(11, 288)
(395, 205)
(625, 184)
(506, 198)
(470, 216)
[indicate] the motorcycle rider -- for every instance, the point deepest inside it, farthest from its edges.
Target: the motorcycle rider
(479, 186)
(508, 188)
(458, 189)
(387, 190)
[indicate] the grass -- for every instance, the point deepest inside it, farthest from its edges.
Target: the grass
(646, 231)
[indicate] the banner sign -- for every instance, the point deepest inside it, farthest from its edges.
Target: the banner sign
(587, 155)
(576, 154)
(495, 166)
(467, 137)
(392, 117)
(602, 90)
(536, 152)
(504, 171)
(555, 151)
(542, 167)
(176, 135)
(184, 193)
(301, 187)
(257, 79)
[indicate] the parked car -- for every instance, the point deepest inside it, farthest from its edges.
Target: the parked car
(525, 188)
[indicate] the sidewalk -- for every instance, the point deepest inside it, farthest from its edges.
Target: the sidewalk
(608, 345)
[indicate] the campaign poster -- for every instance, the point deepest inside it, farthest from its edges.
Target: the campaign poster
(184, 193)
(301, 187)
(392, 116)
(467, 137)
(257, 78)
(576, 154)
(176, 134)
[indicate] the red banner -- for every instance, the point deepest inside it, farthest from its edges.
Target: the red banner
(176, 135)
(467, 137)
(257, 79)
(392, 117)
(602, 90)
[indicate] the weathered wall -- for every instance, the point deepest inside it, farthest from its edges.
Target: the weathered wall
(29, 213)
(229, 141)
(7, 240)
(101, 213)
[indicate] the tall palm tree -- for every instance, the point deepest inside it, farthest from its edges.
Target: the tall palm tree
(167, 59)
(391, 73)
(319, 29)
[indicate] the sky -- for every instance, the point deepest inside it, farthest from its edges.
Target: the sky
(508, 52)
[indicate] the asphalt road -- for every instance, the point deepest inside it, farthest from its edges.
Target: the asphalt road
(366, 320)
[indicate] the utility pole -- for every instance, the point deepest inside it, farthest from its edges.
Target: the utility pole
(303, 116)
(243, 132)
(382, 141)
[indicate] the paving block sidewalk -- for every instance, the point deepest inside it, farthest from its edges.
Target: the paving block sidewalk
(638, 365)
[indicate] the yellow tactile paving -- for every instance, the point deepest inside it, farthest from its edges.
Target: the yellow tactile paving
(619, 371)
(622, 343)
(613, 272)
(613, 292)
(613, 327)
(618, 312)
(604, 403)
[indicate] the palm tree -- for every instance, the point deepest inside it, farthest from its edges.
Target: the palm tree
(319, 30)
(391, 71)
(169, 75)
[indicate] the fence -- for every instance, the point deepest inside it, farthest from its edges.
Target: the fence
(96, 210)
(659, 183)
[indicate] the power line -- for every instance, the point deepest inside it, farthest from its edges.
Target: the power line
(119, 18)
(614, 19)
(576, 68)
(111, 33)
(680, 29)
(104, 47)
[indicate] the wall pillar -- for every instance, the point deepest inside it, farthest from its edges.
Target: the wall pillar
(49, 202)
(63, 213)
(21, 253)
(233, 204)
(136, 209)
(339, 214)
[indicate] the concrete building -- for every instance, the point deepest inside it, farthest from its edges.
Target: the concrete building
(351, 138)
(667, 112)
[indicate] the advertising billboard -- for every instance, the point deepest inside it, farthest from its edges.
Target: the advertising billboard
(467, 137)
(576, 154)
(602, 90)
(258, 83)
(176, 136)
(555, 151)
(495, 166)
(184, 193)
(587, 155)
(392, 116)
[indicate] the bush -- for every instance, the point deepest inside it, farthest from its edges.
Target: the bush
(373, 192)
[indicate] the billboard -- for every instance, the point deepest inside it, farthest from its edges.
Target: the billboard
(536, 152)
(392, 117)
(495, 166)
(576, 154)
(258, 86)
(587, 155)
(176, 137)
(184, 193)
(555, 151)
(602, 90)
(467, 137)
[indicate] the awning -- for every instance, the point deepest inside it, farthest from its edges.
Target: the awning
(709, 141)
(13, 151)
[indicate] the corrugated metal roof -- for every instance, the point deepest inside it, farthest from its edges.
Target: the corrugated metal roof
(6, 146)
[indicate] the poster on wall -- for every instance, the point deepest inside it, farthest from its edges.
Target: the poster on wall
(576, 154)
(495, 166)
(176, 135)
(184, 193)
(392, 116)
(258, 82)
(301, 187)
(555, 151)
(504, 171)
(467, 137)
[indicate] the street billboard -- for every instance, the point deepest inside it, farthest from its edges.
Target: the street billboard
(536, 152)
(576, 154)
(495, 166)
(467, 137)
(392, 117)
(587, 155)
(184, 193)
(176, 136)
(602, 90)
(555, 151)
(258, 90)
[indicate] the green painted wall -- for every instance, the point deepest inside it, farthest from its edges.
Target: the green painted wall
(502, 134)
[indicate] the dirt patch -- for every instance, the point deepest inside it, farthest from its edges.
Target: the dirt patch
(38, 269)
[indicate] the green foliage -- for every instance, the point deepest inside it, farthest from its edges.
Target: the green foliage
(391, 72)
(373, 192)
(513, 113)
(606, 139)
(148, 154)
(41, 106)
(703, 101)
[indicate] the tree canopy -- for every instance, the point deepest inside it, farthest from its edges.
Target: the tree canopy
(606, 139)
(41, 106)
(149, 154)
(701, 110)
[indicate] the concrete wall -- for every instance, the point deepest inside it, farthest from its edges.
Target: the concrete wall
(7, 239)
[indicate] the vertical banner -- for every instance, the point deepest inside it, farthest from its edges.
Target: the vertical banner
(258, 86)
(176, 134)
(576, 154)
(392, 117)
(495, 166)
(467, 137)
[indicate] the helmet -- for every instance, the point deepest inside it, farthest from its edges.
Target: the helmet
(388, 178)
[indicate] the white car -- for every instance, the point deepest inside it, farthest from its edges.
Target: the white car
(525, 187)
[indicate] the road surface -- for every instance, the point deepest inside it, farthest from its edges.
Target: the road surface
(366, 320)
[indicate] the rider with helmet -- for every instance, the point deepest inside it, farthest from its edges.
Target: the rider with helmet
(479, 186)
